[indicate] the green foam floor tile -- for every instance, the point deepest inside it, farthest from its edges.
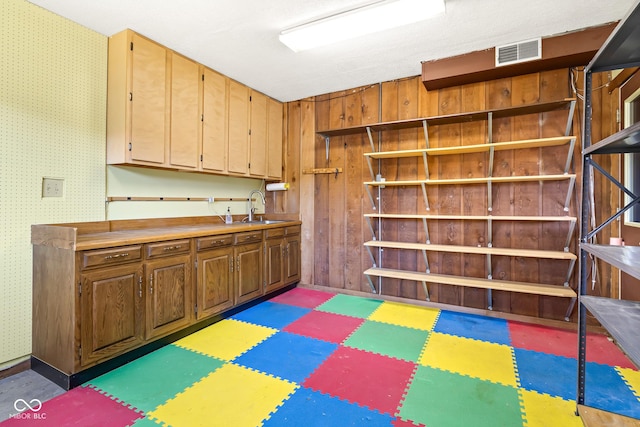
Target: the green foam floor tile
(350, 305)
(151, 380)
(442, 399)
(389, 340)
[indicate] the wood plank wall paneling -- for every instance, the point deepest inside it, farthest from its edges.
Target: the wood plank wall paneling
(338, 229)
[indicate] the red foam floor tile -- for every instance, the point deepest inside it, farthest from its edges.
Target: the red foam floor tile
(371, 380)
(81, 407)
(561, 342)
(325, 326)
(301, 297)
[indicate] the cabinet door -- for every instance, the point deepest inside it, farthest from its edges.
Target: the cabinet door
(274, 251)
(168, 294)
(292, 259)
(111, 312)
(214, 122)
(238, 128)
(214, 282)
(148, 101)
(274, 140)
(258, 135)
(248, 272)
(185, 120)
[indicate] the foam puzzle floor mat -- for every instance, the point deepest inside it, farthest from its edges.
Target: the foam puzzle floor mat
(311, 358)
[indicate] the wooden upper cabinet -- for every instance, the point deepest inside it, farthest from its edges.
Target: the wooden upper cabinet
(167, 111)
(274, 139)
(215, 131)
(185, 118)
(238, 128)
(258, 135)
(137, 100)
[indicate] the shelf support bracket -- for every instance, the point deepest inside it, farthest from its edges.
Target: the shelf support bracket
(373, 148)
(373, 288)
(426, 231)
(373, 233)
(490, 127)
(572, 183)
(426, 261)
(373, 175)
(373, 259)
(572, 108)
(426, 291)
(490, 299)
(425, 129)
(490, 231)
(373, 202)
(424, 195)
(572, 144)
(426, 165)
(572, 304)
(572, 226)
(489, 196)
(572, 263)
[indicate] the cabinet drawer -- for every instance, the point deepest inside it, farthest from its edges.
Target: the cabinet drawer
(173, 247)
(111, 256)
(249, 237)
(294, 229)
(273, 233)
(204, 243)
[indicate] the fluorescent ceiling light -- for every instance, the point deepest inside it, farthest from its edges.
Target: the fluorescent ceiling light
(372, 17)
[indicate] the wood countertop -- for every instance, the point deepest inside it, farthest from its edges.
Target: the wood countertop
(106, 234)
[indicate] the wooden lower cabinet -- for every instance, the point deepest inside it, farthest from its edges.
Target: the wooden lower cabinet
(93, 305)
(111, 312)
(248, 273)
(292, 259)
(168, 295)
(274, 253)
(214, 283)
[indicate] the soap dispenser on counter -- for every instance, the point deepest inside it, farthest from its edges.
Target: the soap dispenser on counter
(228, 219)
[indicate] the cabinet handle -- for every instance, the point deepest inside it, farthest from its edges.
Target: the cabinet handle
(231, 264)
(140, 286)
(116, 256)
(238, 264)
(171, 248)
(151, 284)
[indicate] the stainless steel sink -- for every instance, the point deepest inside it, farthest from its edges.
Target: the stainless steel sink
(268, 221)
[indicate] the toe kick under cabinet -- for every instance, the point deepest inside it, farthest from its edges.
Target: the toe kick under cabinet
(102, 291)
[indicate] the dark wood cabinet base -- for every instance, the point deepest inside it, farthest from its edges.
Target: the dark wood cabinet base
(70, 381)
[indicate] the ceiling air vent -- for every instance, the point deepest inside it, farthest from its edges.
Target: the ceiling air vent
(519, 52)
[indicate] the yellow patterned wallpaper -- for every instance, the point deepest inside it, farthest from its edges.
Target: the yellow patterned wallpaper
(53, 76)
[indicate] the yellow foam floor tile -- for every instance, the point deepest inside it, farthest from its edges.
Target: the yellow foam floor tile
(632, 378)
(473, 358)
(226, 339)
(406, 315)
(546, 411)
(230, 396)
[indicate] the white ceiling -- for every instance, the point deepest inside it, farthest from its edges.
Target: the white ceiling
(239, 38)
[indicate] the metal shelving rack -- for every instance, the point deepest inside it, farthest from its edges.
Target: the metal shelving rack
(620, 318)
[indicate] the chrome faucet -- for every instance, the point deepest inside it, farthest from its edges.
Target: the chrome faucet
(251, 208)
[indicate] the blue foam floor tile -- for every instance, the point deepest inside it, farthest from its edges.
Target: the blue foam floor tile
(473, 326)
(313, 409)
(288, 356)
(557, 376)
(271, 314)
